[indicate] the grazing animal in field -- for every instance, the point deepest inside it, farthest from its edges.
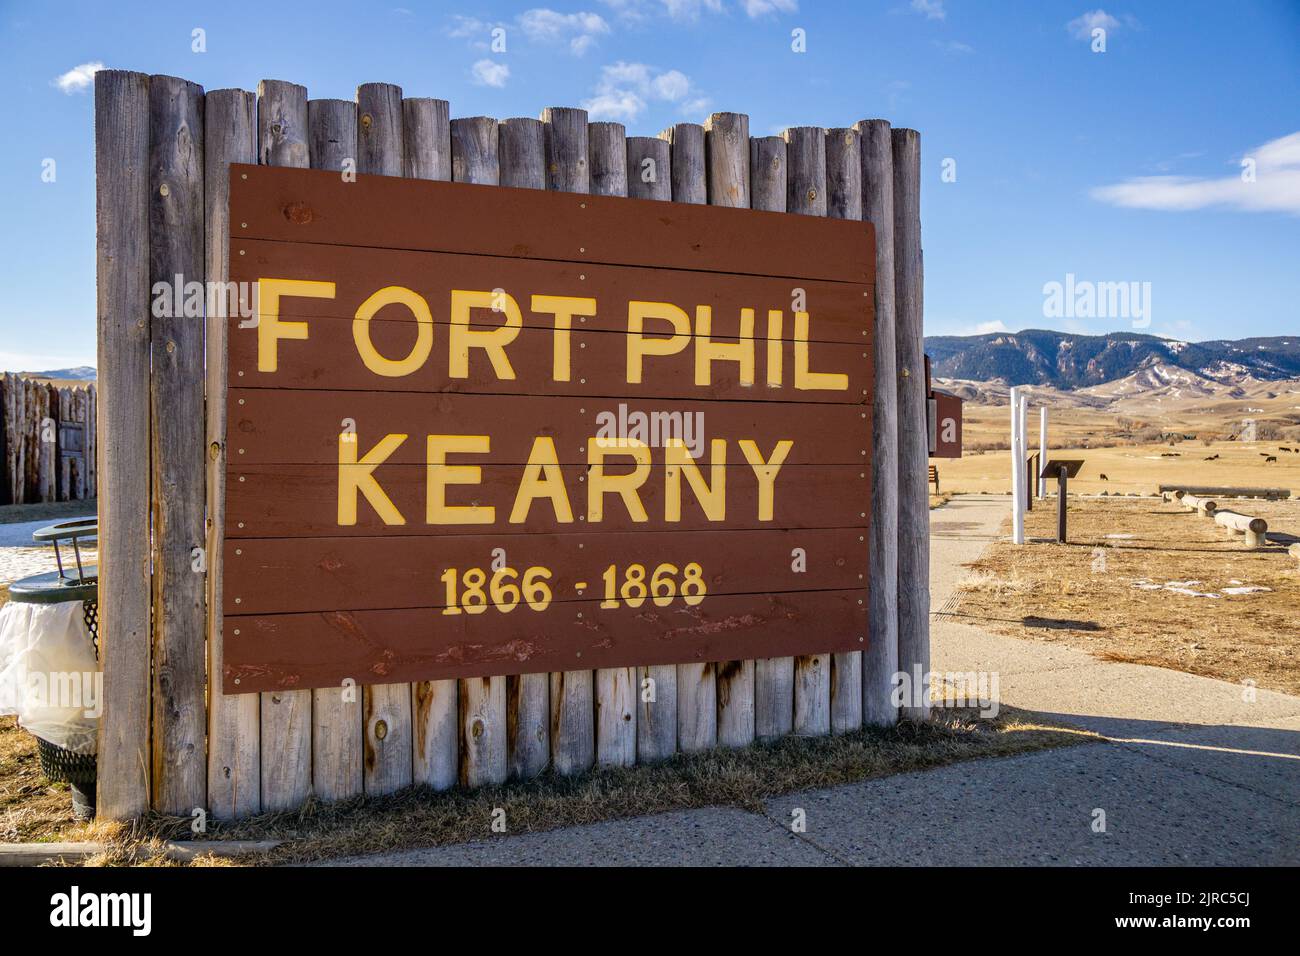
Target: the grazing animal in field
(1104, 478)
(1284, 448)
(1213, 458)
(1270, 458)
(1264, 454)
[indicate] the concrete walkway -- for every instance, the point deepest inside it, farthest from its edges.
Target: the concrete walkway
(1190, 773)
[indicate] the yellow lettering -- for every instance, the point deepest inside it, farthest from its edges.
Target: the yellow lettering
(440, 475)
(564, 308)
(707, 351)
(599, 484)
(542, 460)
(638, 346)
(269, 327)
(678, 461)
(775, 347)
(491, 341)
(766, 472)
(357, 476)
(804, 379)
(394, 368)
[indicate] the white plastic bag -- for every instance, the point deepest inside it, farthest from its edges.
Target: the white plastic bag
(48, 673)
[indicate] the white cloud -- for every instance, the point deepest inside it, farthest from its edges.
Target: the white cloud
(933, 9)
(579, 30)
(954, 46)
(625, 91)
(762, 8)
(690, 9)
(1081, 27)
(490, 73)
(79, 78)
(987, 328)
(1276, 185)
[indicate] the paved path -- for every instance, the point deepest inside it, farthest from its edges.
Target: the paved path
(19, 556)
(1190, 773)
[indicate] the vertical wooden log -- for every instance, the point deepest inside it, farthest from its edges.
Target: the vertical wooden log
(521, 149)
(726, 151)
(122, 306)
(435, 721)
(806, 194)
(46, 436)
(573, 729)
(649, 176)
(484, 751)
(697, 697)
(844, 201)
(92, 443)
(913, 435)
(234, 737)
(616, 692)
(176, 249)
(773, 676)
(337, 720)
(880, 661)
(286, 714)
(388, 753)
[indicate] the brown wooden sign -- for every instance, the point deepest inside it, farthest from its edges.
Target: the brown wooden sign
(477, 431)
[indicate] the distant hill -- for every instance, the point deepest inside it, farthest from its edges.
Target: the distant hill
(1065, 361)
(81, 373)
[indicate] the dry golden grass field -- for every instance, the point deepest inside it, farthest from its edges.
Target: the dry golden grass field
(1148, 582)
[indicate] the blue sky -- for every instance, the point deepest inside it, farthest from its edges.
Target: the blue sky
(1116, 166)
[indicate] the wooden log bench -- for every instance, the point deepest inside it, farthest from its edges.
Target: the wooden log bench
(934, 478)
(1255, 529)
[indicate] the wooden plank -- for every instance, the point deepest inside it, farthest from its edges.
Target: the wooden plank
(435, 720)
(806, 195)
(122, 308)
(176, 248)
(652, 179)
(521, 148)
(416, 643)
(880, 659)
(836, 310)
(844, 201)
(615, 688)
(697, 699)
(649, 176)
(234, 737)
(286, 720)
(913, 432)
(320, 208)
(485, 732)
(572, 692)
(337, 720)
(726, 147)
(287, 575)
(92, 443)
(388, 753)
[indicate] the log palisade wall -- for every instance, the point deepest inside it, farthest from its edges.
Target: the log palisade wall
(47, 441)
(170, 740)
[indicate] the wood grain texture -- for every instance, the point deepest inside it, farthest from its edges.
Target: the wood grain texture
(435, 716)
(649, 168)
(615, 687)
(880, 659)
(773, 676)
(844, 201)
(573, 706)
(484, 749)
(337, 723)
(282, 131)
(521, 148)
(697, 699)
(913, 433)
(388, 750)
(726, 149)
(806, 195)
(122, 322)
(176, 248)
(234, 734)
(649, 176)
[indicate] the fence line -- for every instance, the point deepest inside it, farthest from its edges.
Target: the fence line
(163, 151)
(47, 441)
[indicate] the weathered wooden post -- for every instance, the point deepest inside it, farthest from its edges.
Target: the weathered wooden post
(913, 432)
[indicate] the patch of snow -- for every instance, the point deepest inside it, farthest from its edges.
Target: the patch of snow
(1249, 589)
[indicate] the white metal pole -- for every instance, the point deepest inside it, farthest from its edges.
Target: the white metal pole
(1017, 465)
(1042, 452)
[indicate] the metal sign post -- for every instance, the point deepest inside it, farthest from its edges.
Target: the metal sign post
(1063, 469)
